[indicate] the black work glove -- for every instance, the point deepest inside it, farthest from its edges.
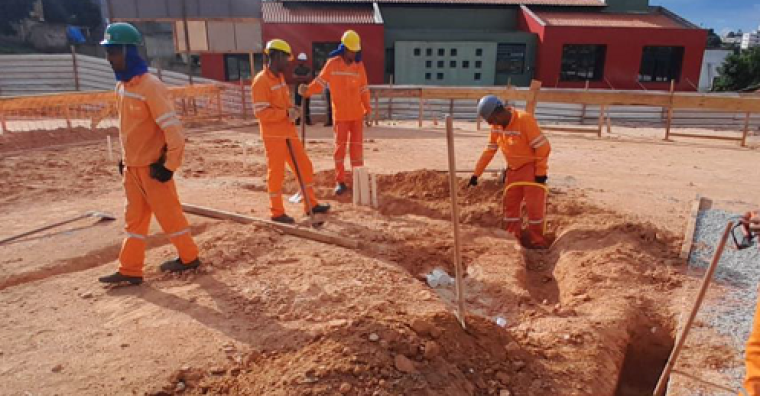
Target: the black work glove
(473, 182)
(542, 179)
(159, 172)
(121, 167)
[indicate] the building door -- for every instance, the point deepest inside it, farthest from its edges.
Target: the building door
(512, 65)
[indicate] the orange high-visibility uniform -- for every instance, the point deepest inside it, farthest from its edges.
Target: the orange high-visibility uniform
(350, 103)
(271, 101)
(526, 151)
(752, 359)
(148, 124)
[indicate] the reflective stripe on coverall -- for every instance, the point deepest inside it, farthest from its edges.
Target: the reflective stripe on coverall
(526, 151)
(148, 123)
(349, 93)
(271, 101)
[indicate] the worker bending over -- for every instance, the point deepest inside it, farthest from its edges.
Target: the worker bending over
(526, 150)
(153, 147)
(752, 379)
(344, 73)
(277, 115)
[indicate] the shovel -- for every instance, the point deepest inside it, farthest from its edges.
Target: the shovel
(312, 222)
(297, 197)
(102, 216)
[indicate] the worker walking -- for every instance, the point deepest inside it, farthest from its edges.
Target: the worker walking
(302, 74)
(526, 150)
(752, 359)
(347, 79)
(153, 146)
(277, 115)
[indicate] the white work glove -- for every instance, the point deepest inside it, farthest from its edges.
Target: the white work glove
(302, 89)
(294, 113)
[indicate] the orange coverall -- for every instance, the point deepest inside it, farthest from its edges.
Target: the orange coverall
(148, 123)
(752, 359)
(526, 150)
(350, 103)
(271, 101)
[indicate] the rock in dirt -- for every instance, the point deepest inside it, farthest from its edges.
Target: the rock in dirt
(374, 337)
(217, 370)
(86, 295)
(519, 365)
(432, 350)
(57, 368)
(345, 388)
(180, 387)
(502, 377)
(404, 365)
(505, 392)
(421, 327)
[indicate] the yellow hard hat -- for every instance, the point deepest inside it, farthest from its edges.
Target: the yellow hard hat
(352, 41)
(280, 45)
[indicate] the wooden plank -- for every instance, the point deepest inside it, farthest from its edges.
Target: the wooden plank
(454, 190)
(285, 228)
(746, 129)
(691, 226)
(601, 121)
(532, 102)
(709, 137)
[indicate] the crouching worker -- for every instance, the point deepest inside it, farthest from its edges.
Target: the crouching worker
(526, 150)
(752, 380)
(153, 146)
(277, 116)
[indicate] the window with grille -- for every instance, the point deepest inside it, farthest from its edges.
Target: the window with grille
(583, 62)
(661, 64)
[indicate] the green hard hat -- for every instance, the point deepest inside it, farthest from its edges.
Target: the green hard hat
(121, 34)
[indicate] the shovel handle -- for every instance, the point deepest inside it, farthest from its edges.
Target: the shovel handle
(45, 228)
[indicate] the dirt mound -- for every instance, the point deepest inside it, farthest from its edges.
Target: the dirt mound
(14, 141)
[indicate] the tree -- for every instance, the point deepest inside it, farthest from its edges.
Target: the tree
(13, 11)
(713, 40)
(72, 12)
(739, 71)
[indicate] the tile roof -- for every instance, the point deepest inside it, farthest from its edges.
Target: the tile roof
(567, 3)
(358, 14)
(600, 19)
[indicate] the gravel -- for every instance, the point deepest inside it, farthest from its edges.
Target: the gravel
(739, 274)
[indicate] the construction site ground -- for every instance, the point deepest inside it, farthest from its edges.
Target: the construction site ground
(274, 314)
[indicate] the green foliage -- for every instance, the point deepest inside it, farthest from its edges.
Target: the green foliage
(739, 71)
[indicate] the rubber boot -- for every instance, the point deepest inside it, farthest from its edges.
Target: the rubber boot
(119, 278)
(284, 219)
(176, 265)
(321, 208)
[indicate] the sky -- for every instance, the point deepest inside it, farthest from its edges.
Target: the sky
(721, 15)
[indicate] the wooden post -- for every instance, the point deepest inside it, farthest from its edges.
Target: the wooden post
(451, 107)
(609, 124)
(454, 188)
(67, 113)
(509, 83)
(583, 108)
(3, 125)
(532, 103)
(681, 340)
(242, 99)
(390, 102)
(186, 28)
(602, 108)
(422, 110)
(75, 66)
(669, 121)
(747, 119)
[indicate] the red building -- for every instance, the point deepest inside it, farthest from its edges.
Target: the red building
(616, 51)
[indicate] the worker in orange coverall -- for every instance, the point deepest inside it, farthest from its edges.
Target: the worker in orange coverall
(153, 146)
(277, 116)
(752, 380)
(347, 79)
(526, 150)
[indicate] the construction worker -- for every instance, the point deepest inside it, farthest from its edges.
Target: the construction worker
(302, 74)
(153, 147)
(344, 73)
(526, 150)
(752, 360)
(277, 115)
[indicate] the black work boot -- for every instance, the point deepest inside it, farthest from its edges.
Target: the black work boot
(341, 188)
(117, 277)
(176, 265)
(321, 208)
(284, 219)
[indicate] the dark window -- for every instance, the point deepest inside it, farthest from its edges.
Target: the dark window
(428, 64)
(465, 64)
(429, 52)
(478, 64)
(510, 58)
(583, 62)
(441, 64)
(428, 76)
(477, 76)
(661, 64)
(390, 59)
(417, 52)
(441, 52)
(439, 76)
(238, 66)
(320, 52)
(453, 52)
(453, 64)
(479, 52)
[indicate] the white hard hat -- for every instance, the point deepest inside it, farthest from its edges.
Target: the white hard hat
(302, 57)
